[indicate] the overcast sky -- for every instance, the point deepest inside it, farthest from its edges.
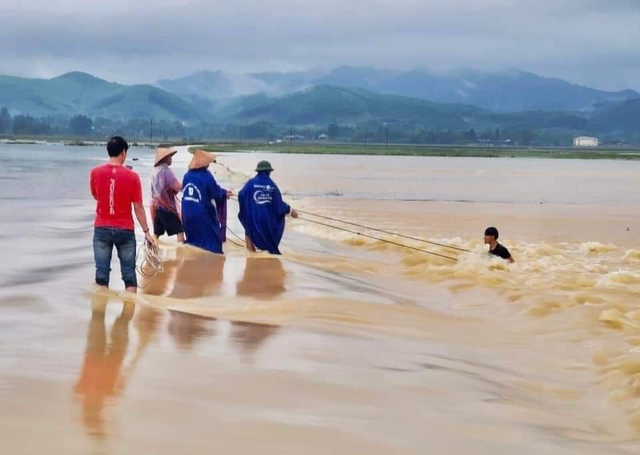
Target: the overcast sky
(593, 42)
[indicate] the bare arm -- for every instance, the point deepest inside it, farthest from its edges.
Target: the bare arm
(141, 215)
(92, 185)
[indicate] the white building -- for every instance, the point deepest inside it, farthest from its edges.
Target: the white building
(323, 137)
(584, 141)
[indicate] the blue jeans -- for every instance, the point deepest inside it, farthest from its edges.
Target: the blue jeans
(104, 239)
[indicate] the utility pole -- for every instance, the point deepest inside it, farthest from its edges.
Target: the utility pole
(151, 133)
(291, 136)
(366, 137)
(387, 136)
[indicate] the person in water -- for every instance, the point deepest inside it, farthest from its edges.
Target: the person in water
(204, 205)
(262, 211)
(164, 188)
(116, 189)
(491, 235)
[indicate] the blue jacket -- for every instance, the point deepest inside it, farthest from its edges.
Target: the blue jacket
(262, 212)
(203, 210)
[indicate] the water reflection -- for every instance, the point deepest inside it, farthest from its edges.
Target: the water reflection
(192, 274)
(249, 337)
(104, 372)
(263, 278)
(187, 328)
(101, 377)
(108, 361)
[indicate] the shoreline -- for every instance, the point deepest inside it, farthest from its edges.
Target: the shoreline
(426, 151)
(75, 142)
(626, 154)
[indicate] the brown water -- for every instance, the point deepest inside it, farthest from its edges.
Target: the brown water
(345, 344)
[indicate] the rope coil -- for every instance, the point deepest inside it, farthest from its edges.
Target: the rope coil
(150, 258)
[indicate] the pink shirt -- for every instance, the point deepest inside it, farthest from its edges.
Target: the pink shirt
(162, 192)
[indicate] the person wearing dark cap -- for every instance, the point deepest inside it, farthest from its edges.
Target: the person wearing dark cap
(262, 211)
(491, 235)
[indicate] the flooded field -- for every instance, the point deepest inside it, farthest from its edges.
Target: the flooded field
(345, 344)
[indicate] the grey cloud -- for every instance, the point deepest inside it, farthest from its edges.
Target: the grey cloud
(588, 41)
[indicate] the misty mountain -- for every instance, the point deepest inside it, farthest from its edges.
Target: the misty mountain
(321, 105)
(507, 91)
(510, 91)
(619, 117)
(282, 83)
(81, 93)
(366, 78)
(215, 85)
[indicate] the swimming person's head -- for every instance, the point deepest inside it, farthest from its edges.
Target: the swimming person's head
(491, 235)
(117, 147)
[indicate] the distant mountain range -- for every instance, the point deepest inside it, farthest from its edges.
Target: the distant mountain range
(458, 100)
(321, 105)
(507, 91)
(80, 93)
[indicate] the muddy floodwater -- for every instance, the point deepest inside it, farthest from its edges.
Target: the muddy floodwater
(344, 344)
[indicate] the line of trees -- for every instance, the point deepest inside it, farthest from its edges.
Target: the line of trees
(371, 132)
(26, 125)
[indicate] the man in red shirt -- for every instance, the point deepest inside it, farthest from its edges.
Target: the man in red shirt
(116, 188)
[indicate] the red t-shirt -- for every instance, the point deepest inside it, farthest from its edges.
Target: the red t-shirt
(115, 188)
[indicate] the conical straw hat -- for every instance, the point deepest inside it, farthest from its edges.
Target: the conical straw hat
(162, 153)
(201, 159)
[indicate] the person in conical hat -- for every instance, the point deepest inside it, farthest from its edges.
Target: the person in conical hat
(204, 205)
(164, 189)
(262, 211)
(202, 159)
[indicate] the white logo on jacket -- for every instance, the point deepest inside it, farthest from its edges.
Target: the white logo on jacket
(261, 197)
(192, 193)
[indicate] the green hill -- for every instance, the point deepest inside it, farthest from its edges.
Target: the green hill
(323, 104)
(80, 93)
(499, 91)
(618, 117)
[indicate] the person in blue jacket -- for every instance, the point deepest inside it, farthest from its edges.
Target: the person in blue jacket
(204, 205)
(262, 211)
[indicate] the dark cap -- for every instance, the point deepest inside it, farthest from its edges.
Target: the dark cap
(264, 166)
